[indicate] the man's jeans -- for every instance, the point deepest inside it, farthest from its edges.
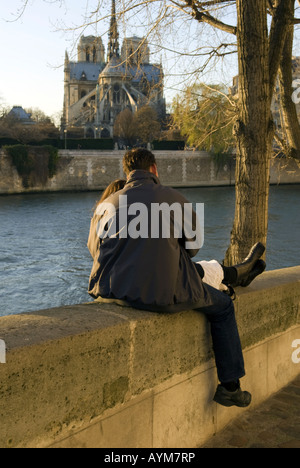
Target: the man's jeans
(225, 335)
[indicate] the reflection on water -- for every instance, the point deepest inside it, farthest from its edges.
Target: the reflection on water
(44, 260)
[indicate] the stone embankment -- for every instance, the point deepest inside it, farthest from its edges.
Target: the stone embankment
(94, 170)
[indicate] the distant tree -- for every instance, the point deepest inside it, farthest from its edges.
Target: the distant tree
(44, 124)
(3, 108)
(147, 125)
(124, 128)
(143, 126)
(171, 134)
(38, 115)
(39, 128)
(205, 116)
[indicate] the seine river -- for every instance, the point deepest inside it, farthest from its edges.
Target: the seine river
(45, 263)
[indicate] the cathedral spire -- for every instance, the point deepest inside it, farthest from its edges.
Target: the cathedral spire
(113, 45)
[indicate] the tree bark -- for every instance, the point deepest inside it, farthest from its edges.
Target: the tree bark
(253, 131)
(291, 125)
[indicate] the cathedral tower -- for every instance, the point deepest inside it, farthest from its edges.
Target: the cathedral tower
(91, 49)
(113, 45)
(98, 90)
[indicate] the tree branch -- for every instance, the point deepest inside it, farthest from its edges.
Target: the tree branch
(215, 2)
(20, 12)
(279, 28)
(290, 153)
(202, 17)
(271, 7)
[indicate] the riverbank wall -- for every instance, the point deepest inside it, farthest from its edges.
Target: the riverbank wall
(103, 376)
(94, 170)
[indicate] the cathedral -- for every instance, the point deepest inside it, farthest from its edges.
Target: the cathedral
(97, 90)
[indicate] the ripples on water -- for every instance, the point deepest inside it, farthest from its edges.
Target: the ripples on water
(45, 263)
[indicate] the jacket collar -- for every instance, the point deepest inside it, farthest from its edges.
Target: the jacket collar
(140, 175)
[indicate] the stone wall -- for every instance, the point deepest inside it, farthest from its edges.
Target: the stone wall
(94, 170)
(99, 375)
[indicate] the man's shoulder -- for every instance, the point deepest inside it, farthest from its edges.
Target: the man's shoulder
(170, 194)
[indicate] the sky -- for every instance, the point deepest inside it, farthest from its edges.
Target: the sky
(33, 49)
(32, 55)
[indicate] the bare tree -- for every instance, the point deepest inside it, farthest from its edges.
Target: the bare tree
(289, 139)
(143, 126)
(146, 124)
(124, 128)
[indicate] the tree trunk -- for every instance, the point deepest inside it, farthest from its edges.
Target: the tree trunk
(253, 131)
(291, 127)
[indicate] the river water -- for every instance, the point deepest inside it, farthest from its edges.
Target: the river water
(44, 261)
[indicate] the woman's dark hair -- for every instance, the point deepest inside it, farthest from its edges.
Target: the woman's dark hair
(138, 158)
(113, 187)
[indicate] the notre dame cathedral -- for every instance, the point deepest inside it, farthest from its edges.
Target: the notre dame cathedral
(97, 90)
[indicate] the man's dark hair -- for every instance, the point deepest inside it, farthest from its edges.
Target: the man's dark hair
(138, 158)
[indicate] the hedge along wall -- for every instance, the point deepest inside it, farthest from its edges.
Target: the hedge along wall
(91, 143)
(71, 143)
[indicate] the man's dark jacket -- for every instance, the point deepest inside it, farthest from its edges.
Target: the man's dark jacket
(155, 274)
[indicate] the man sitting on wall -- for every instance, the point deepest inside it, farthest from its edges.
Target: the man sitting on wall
(142, 240)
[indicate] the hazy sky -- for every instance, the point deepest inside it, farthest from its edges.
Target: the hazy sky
(32, 55)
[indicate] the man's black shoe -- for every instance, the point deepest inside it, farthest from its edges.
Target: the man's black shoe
(245, 268)
(258, 269)
(237, 398)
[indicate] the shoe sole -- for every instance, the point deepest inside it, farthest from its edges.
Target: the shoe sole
(230, 403)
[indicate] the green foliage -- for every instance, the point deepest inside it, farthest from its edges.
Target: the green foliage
(205, 116)
(34, 164)
(146, 124)
(141, 127)
(20, 158)
(52, 161)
